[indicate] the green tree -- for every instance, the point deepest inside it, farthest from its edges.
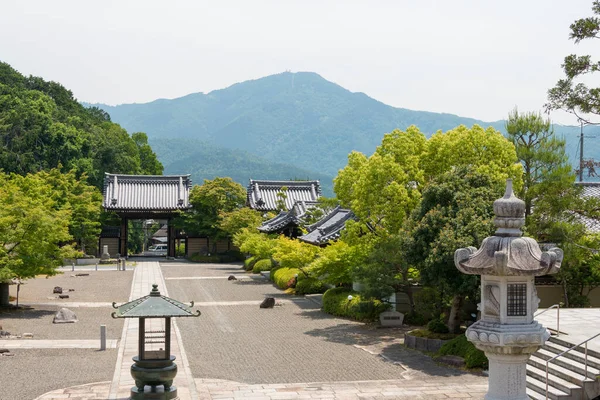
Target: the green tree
(234, 221)
(570, 93)
(149, 164)
(34, 229)
(382, 189)
(542, 155)
(210, 201)
(456, 211)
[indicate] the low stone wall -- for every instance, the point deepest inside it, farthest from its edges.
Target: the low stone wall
(423, 344)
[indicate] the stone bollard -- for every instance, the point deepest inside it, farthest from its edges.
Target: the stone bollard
(102, 337)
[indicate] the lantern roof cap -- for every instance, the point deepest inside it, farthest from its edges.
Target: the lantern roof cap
(154, 305)
(507, 253)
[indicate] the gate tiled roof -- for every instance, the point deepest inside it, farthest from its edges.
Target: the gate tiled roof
(262, 195)
(146, 192)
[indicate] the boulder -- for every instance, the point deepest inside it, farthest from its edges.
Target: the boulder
(64, 316)
(269, 302)
(57, 289)
(232, 278)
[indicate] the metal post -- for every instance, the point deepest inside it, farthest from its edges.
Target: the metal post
(72, 266)
(586, 375)
(546, 379)
(96, 266)
(102, 337)
(558, 321)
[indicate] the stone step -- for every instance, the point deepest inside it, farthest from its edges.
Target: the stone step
(573, 365)
(554, 380)
(574, 354)
(562, 341)
(557, 370)
(553, 393)
(532, 394)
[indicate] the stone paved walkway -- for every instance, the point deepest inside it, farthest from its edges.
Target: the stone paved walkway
(146, 274)
(418, 376)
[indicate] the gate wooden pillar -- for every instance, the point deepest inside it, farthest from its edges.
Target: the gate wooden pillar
(170, 240)
(123, 238)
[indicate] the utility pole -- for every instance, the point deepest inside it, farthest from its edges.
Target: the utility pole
(581, 154)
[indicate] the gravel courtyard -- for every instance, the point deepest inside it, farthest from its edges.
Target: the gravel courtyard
(293, 342)
(30, 373)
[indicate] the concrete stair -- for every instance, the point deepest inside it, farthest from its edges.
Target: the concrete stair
(567, 379)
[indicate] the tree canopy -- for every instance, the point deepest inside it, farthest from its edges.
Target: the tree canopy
(42, 126)
(571, 93)
(41, 217)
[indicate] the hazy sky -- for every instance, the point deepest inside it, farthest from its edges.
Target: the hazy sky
(473, 58)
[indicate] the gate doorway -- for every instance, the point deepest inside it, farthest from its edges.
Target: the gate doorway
(143, 203)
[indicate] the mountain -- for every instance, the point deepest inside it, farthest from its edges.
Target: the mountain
(206, 161)
(298, 119)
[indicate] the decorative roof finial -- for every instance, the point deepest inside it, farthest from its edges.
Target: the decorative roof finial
(510, 213)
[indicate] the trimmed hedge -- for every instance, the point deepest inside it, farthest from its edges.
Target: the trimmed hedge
(282, 276)
(262, 265)
(460, 346)
(310, 286)
(196, 257)
(335, 302)
(230, 256)
(249, 263)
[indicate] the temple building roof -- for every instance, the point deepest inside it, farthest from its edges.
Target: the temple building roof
(266, 195)
(285, 218)
(146, 192)
(590, 189)
(329, 227)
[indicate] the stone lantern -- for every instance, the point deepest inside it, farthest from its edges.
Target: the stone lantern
(154, 365)
(508, 264)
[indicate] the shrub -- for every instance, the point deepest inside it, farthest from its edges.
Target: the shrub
(197, 257)
(262, 265)
(335, 302)
(437, 326)
(283, 275)
(309, 286)
(249, 263)
(180, 250)
(424, 333)
(415, 319)
(234, 255)
(460, 346)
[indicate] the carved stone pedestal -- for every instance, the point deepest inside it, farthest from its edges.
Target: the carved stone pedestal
(509, 372)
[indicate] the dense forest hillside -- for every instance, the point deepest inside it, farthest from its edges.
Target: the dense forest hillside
(299, 119)
(206, 161)
(42, 126)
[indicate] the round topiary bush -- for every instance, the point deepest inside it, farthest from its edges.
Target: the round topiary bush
(336, 302)
(437, 326)
(262, 265)
(310, 286)
(282, 276)
(249, 263)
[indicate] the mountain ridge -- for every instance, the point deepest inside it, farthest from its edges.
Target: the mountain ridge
(299, 119)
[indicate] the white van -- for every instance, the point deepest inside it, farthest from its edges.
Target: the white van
(157, 250)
